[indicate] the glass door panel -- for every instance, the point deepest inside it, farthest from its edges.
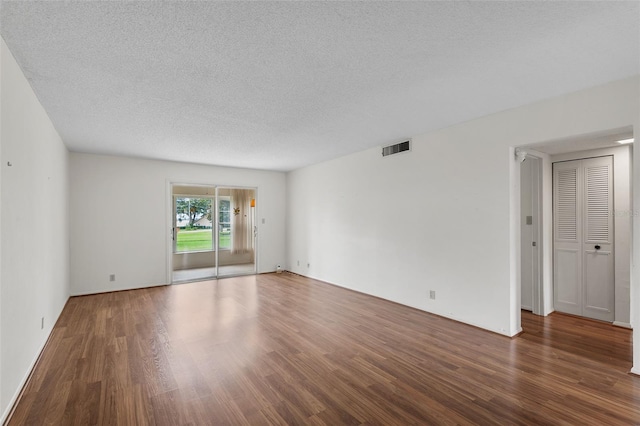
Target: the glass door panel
(236, 231)
(193, 251)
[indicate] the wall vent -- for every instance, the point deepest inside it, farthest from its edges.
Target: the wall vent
(397, 148)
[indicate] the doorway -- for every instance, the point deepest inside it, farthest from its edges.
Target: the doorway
(213, 232)
(530, 232)
(601, 144)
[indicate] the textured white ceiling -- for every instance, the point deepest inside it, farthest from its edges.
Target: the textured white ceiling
(279, 86)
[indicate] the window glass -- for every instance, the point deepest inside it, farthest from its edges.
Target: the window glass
(193, 224)
(224, 222)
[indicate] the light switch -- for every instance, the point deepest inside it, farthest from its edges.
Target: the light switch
(529, 220)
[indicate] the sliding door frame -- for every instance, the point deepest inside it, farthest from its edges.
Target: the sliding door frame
(170, 223)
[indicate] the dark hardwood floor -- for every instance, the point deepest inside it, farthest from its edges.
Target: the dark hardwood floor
(283, 349)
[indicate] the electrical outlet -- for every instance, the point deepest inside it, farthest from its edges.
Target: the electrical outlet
(112, 277)
(432, 294)
(298, 263)
(308, 265)
(42, 324)
(263, 220)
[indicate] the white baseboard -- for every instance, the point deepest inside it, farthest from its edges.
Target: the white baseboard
(501, 332)
(113, 290)
(514, 332)
(622, 324)
(24, 380)
(635, 371)
(9, 409)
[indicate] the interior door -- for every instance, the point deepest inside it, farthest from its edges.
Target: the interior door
(567, 234)
(583, 237)
(598, 262)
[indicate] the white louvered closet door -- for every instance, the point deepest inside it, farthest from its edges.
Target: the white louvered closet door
(567, 233)
(583, 237)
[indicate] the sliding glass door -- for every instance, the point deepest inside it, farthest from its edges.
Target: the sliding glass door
(213, 233)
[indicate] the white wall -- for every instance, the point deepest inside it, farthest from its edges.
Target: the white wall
(34, 280)
(440, 217)
(109, 193)
(622, 223)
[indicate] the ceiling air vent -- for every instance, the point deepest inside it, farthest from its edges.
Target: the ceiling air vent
(397, 148)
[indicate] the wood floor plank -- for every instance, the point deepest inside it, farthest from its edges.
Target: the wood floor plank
(281, 349)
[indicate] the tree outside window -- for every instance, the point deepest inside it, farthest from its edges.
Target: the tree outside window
(193, 224)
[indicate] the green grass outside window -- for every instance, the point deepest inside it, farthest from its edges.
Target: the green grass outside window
(199, 240)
